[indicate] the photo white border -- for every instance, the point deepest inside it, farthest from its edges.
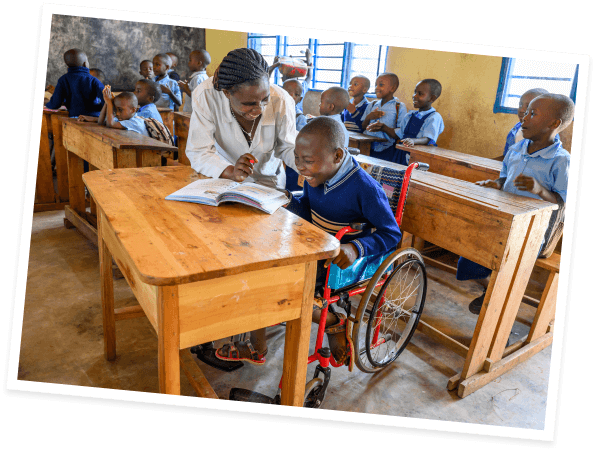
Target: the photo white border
(578, 134)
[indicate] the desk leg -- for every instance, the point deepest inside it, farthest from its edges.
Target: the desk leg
(44, 186)
(107, 293)
(296, 346)
(76, 187)
(168, 340)
(60, 156)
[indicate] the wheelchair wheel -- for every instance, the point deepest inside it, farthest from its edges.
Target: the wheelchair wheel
(388, 316)
(312, 393)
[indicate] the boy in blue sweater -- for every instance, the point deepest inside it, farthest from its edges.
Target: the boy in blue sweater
(338, 192)
(537, 167)
(78, 90)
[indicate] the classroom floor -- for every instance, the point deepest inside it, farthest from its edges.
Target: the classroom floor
(62, 342)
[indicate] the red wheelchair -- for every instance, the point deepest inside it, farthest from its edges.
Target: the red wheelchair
(392, 291)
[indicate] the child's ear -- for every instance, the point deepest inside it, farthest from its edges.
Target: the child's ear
(433, 98)
(557, 123)
(339, 155)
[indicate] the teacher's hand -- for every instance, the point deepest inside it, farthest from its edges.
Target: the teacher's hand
(244, 167)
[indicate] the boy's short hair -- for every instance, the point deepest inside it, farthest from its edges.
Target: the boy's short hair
(366, 81)
(435, 86)
(165, 58)
(173, 57)
(564, 108)
(152, 88)
(145, 61)
(128, 96)
(393, 77)
(75, 57)
(100, 75)
(535, 92)
(339, 97)
(203, 55)
(327, 129)
(293, 80)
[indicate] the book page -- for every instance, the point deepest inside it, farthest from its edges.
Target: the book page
(256, 192)
(203, 190)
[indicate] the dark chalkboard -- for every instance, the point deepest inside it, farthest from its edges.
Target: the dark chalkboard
(118, 46)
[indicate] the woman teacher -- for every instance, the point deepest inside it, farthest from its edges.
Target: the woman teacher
(241, 127)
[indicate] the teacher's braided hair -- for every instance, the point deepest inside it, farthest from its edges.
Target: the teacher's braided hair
(240, 66)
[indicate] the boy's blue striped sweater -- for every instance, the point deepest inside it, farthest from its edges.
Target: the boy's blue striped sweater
(356, 197)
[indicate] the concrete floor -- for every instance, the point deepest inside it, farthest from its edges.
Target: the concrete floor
(62, 342)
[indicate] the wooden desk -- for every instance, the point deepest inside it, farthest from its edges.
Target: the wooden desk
(363, 142)
(181, 124)
(493, 228)
(454, 164)
(203, 273)
(46, 197)
(103, 148)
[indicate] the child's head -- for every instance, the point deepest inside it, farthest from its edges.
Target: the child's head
(334, 100)
(125, 105)
(146, 69)
(425, 93)
(294, 89)
(385, 85)
(526, 98)
(198, 60)
(147, 92)
(359, 86)
(98, 74)
(319, 150)
(161, 63)
(76, 58)
(174, 59)
(546, 116)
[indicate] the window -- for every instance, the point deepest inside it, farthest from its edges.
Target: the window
(334, 63)
(519, 75)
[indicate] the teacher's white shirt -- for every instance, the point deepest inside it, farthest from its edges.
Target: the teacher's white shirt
(216, 141)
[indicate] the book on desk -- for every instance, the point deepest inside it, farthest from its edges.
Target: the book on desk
(212, 192)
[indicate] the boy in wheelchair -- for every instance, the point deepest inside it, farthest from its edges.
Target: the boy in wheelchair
(338, 193)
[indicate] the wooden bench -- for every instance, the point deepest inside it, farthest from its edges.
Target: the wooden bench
(181, 125)
(167, 116)
(498, 230)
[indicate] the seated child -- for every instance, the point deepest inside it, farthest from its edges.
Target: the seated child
(169, 88)
(515, 134)
(425, 125)
(536, 167)
(334, 100)
(147, 92)
(121, 112)
(337, 193)
(353, 114)
(384, 118)
(198, 60)
(146, 69)
(173, 75)
(78, 90)
(294, 89)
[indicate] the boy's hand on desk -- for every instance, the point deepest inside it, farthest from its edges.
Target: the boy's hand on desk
(527, 183)
(376, 127)
(83, 118)
(489, 183)
(346, 257)
(407, 142)
(244, 167)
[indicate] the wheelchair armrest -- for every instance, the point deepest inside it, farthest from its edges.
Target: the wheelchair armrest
(297, 193)
(358, 226)
(353, 151)
(422, 166)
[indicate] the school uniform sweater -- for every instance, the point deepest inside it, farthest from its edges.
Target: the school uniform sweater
(79, 91)
(354, 197)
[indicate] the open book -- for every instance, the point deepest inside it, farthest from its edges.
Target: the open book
(215, 191)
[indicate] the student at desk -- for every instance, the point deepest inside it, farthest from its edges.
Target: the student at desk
(242, 128)
(536, 167)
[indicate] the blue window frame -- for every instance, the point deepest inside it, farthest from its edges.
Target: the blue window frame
(519, 75)
(334, 63)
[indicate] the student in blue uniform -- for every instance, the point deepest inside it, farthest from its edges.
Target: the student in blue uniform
(147, 92)
(170, 91)
(121, 112)
(424, 125)
(383, 118)
(353, 115)
(536, 167)
(334, 100)
(337, 192)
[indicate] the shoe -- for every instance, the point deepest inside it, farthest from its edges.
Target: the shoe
(241, 351)
(476, 304)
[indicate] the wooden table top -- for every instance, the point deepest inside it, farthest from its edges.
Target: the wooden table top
(173, 242)
(455, 157)
(116, 138)
(164, 109)
(362, 137)
(55, 112)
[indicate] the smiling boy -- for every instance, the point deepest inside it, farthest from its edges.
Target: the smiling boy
(353, 115)
(384, 118)
(536, 167)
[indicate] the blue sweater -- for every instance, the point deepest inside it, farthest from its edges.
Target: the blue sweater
(79, 91)
(356, 197)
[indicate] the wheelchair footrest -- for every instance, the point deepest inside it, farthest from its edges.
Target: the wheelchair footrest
(246, 395)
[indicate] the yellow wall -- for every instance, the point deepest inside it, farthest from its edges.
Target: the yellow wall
(219, 43)
(466, 104)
